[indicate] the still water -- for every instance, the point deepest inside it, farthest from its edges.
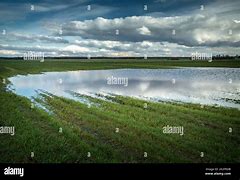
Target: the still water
(212, 86)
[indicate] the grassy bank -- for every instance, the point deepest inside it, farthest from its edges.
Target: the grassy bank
(93, 129)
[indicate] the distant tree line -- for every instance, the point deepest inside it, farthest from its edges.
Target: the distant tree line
(216, 57)
(224, 56)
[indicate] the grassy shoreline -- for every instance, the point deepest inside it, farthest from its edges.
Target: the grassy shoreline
(93, 129)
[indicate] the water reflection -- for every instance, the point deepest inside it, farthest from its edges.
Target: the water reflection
(197, 85)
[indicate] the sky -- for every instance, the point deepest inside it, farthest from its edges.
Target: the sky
(154, 28)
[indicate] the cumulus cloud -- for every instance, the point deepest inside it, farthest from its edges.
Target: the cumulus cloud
(9, 52)
(214, 29)
(117, 48)
(25, 48)
(196, 30)
(34, 38)
(144, 31)
(75, 49)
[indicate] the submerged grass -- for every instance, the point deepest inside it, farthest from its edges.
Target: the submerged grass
(93, 128)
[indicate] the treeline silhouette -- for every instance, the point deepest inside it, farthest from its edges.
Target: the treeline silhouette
(216, 57)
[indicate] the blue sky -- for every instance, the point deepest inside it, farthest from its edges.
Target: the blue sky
(119, 28)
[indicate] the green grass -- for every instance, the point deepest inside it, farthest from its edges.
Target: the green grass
(93, 129)
(10, 67)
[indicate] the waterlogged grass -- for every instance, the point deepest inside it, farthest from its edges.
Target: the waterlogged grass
(8, 67)
(93, 128)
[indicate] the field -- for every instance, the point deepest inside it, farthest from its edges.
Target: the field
(72, 132)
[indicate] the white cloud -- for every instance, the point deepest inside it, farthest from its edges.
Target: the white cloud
(236, 21)
(144, 31)
(117, 48)
(207, 30)
(192, 30)
(8, 52)
(75, 49)
(36, 38)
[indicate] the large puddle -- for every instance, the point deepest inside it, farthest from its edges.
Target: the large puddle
(212, 86)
